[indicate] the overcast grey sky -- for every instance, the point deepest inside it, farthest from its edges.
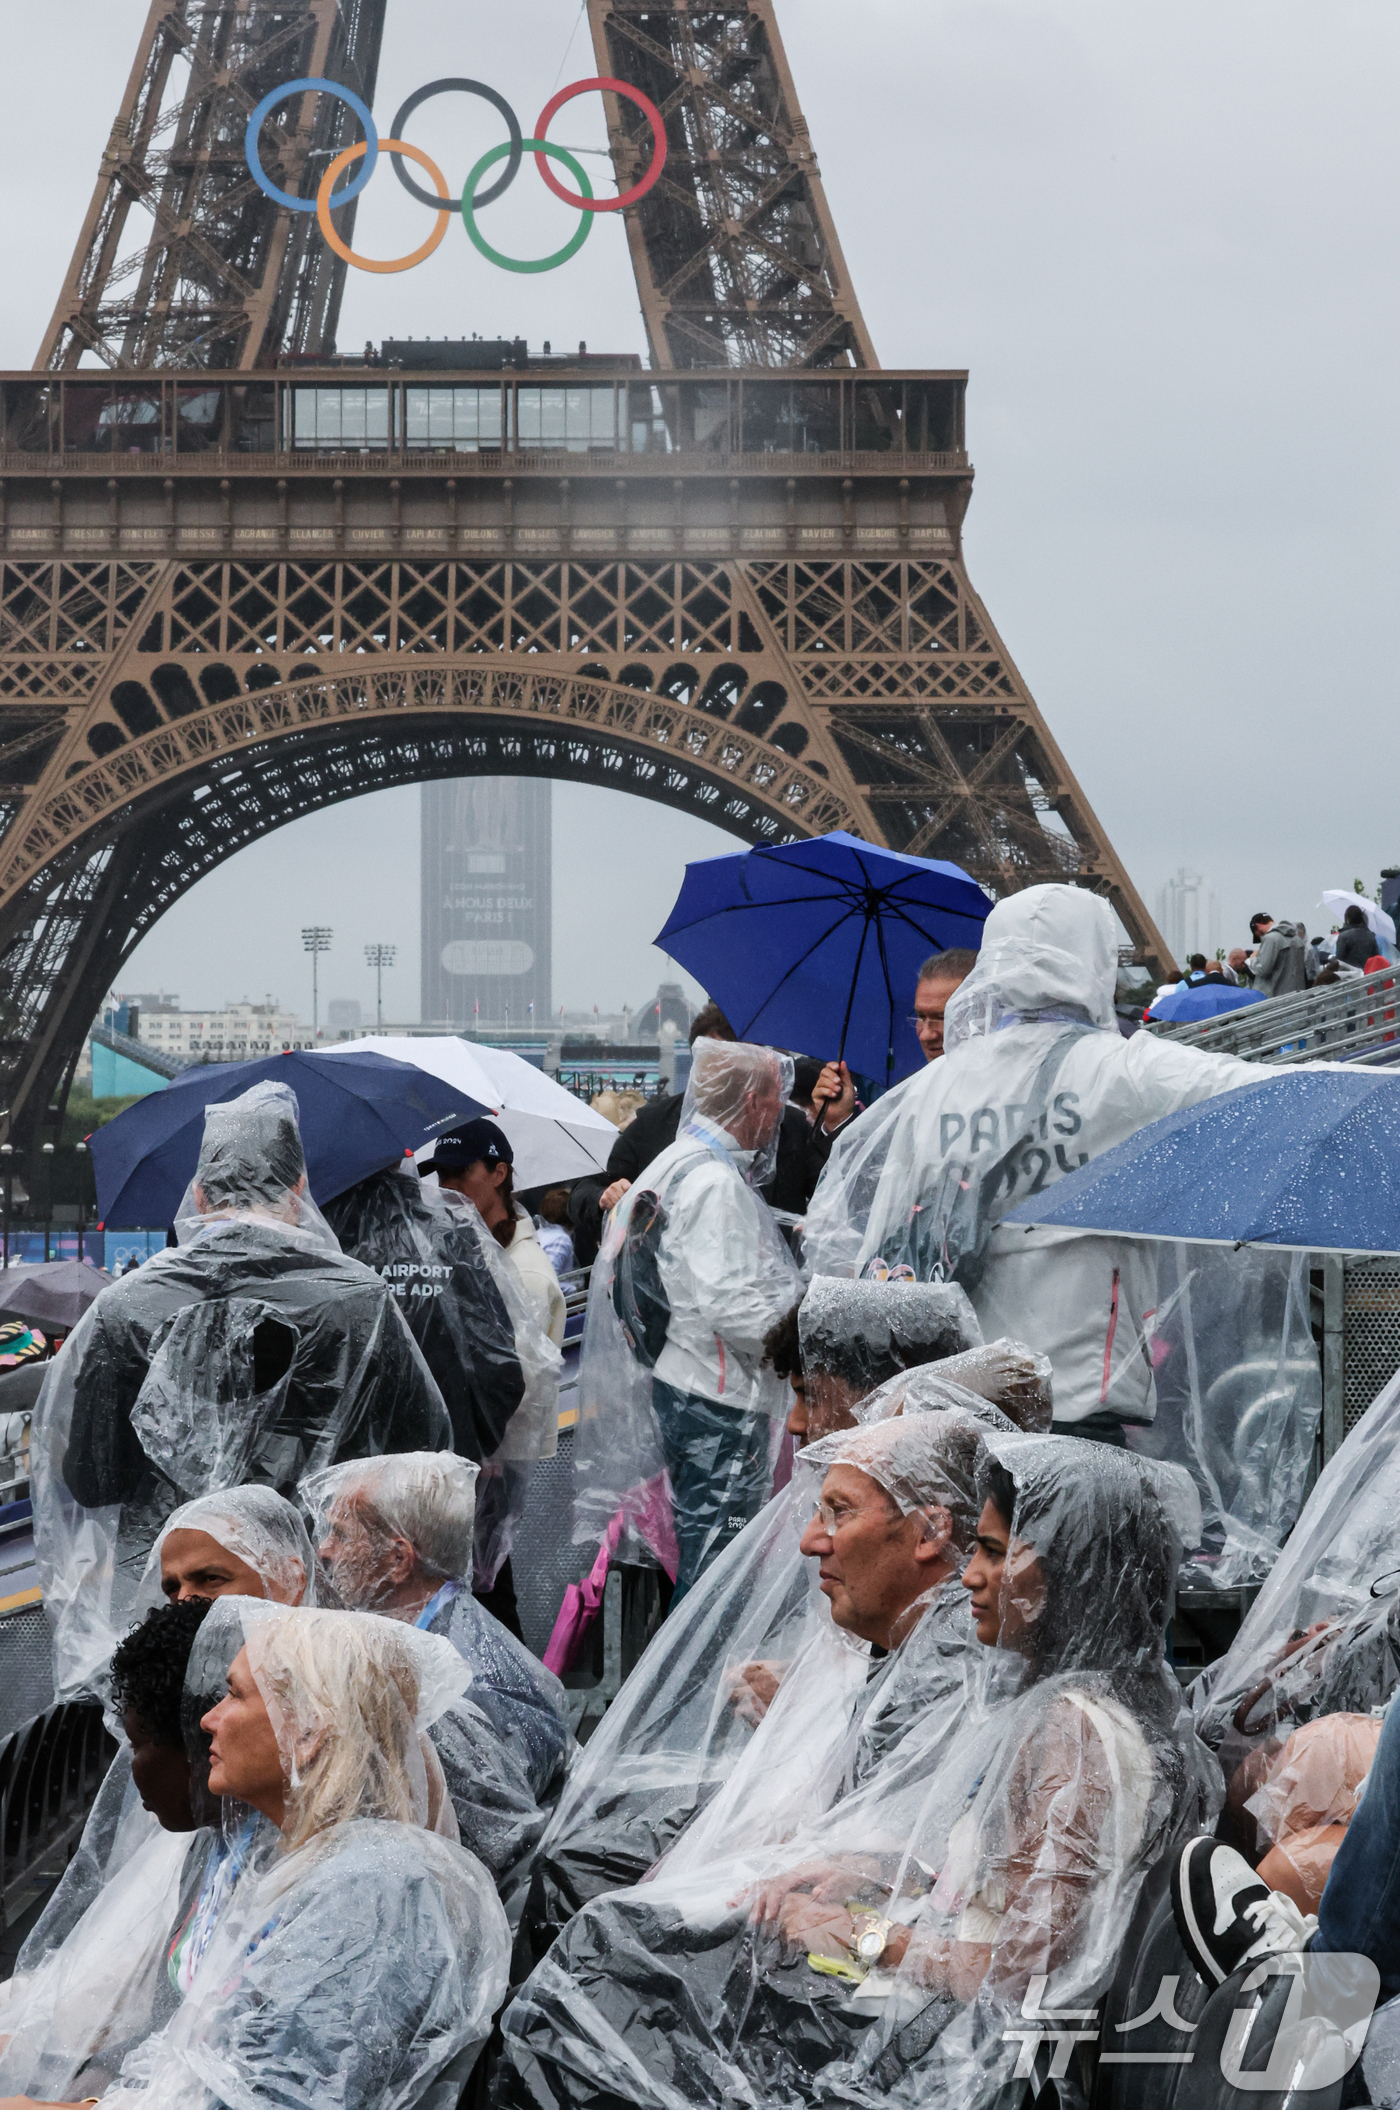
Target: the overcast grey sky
(1163, 240)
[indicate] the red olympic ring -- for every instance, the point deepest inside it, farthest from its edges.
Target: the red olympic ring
(658, 147)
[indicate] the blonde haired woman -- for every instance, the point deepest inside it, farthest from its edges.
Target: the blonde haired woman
(362, 1968)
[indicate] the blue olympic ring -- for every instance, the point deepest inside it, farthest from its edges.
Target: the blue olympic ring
(279, 95)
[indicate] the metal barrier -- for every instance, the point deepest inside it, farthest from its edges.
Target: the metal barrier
(1360, 1338)
(574, 1284)
(1350, 1021)
(49, 1772)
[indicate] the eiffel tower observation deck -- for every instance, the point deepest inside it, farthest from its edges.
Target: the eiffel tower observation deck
(241, 578)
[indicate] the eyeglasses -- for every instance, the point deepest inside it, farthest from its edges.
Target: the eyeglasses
(923, 1018)
(832, 1518)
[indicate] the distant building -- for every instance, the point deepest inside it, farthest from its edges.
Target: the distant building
(237, 1033)
(669, 1007)
(343, 1015)
(1188, 916)
(487, 873)
(152, 999)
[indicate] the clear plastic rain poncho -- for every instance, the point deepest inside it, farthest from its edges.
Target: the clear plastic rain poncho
(1036, 1080)
(110, 1924)
(852, 1336)
(1323, 1636)
(358, 1969)
(462, 1301)
(1015, 1858)
(427, 1498)
(253, 1351)
(1004, 1374)
(1237, 1379)
(842, 1710)
(260, 1528)
(692, 1275)
(1308, 1797)
(94, 1980)
(688, 1716)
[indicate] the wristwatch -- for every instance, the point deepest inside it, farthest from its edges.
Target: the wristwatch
(873, 1938)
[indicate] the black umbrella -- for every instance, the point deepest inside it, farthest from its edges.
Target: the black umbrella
(52, 1297)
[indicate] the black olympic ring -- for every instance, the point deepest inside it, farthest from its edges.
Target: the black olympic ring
(493, 190)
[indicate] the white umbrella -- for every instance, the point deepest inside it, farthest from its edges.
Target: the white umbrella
(1381, 925)
(554, 1135)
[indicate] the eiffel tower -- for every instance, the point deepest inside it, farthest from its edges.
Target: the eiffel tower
(235, 588)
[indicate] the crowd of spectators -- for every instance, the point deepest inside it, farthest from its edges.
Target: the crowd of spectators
(907, 1748)
(1282, 960)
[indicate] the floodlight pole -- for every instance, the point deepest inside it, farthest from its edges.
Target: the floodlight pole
(315, 940)
(379, 957)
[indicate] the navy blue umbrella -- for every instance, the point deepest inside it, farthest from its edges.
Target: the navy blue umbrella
(1206, 1000)
(1309, 1161)
(817, 945)
(359, 1113)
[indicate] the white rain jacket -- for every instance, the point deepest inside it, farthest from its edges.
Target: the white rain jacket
(538, 1276)
(1037, 1080)
(720, 1273)
(706, 1250)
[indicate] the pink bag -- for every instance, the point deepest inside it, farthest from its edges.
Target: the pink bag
(648, 1510)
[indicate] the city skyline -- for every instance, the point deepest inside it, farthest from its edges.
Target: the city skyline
(356, 867)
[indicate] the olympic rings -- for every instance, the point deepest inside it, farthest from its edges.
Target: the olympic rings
(279, 95)
(511, 263)
(658, 145)
(502, 183)
(325, 204)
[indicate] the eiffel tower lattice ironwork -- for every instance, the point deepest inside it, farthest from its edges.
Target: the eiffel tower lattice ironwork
(232, 592)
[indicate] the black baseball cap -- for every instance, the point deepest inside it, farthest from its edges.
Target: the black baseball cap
(479, 1140)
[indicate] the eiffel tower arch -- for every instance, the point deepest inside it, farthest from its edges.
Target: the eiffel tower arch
(231, 594)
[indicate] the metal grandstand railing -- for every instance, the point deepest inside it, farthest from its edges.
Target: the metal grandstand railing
(49, 1772)
(155, 1059)
(1350, 1021)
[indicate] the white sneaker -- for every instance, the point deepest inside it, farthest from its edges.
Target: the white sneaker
(1226, 1916)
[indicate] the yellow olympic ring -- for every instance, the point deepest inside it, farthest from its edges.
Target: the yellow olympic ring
(324, 207)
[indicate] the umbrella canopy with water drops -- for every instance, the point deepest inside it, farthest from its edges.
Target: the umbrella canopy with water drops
(1308, 1161)
(817, 945)
(358, 1115)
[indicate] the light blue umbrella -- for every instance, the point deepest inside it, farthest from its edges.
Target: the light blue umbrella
(1308, 1161)
(1206, 1000)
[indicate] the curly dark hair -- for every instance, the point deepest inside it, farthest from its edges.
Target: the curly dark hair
(148, 1669)
(781, 1347)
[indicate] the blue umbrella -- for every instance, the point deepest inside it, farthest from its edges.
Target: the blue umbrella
(817, 945)
(1206, 1000)
(1309, 1161)
(359, 1113)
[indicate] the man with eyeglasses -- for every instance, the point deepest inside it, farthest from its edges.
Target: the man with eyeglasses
(940, 975)
(865, 1714)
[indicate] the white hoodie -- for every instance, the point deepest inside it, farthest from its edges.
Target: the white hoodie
(1036, 1082)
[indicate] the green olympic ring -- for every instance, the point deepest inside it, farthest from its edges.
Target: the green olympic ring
(511, 263)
